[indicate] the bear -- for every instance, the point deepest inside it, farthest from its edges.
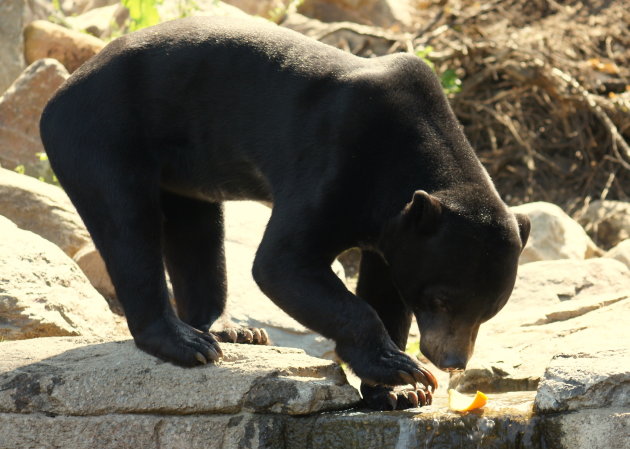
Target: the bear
(150, 136)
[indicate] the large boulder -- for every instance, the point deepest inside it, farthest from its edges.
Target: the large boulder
(554, 235)
(43, 293)
(595, 388)
(382, 13)
(169, 10)
(620, 252)
(43, 209)
(21, 108)
(269, 9)
(11, 45)
(71, 48)
(557, 306)
(585, 380)
(66, 376)
(607, 222)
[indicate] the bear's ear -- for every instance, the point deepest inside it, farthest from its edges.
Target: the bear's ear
(424, 212)
(524, 226)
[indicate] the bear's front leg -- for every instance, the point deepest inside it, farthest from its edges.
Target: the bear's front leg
(376, 287)
(292, 267)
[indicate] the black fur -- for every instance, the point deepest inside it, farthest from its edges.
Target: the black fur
(150, 137)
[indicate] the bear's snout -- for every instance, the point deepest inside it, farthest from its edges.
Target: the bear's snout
(449, 348)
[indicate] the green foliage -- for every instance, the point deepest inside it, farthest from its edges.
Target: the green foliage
(279, 12)
(451, 84)
(142, 13)
(413, 348)
(41, 171)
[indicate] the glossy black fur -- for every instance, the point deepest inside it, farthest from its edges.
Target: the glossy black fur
(150, 137)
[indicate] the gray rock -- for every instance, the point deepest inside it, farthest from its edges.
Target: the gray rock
(607, 222)
(170, 10)
(554, 235)
(11, 43)
(368, 12)
(582, 380)
(620, 252)
(43, 209)
(44, 293)
(557, 306)
(20, 111)
(69, 377)
(607, 428)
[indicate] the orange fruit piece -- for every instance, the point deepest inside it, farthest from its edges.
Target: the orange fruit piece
(461, 403)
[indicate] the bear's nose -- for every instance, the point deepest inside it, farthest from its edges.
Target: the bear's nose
(453, 363)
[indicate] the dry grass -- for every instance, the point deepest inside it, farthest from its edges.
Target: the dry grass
(546, 96)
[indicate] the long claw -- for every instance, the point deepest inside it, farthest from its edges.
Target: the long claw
(217, 349)
(211, 355)
(429, 398)
(248, 335)
(264, 336)
(419, 376)
(431, 378)
(199, 356)
(406, 377)
(413, 398)
(233, 336)
(392, 400)
(256, 335)
(422, 399)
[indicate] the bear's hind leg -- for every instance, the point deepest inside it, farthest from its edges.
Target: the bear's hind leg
(195, 259)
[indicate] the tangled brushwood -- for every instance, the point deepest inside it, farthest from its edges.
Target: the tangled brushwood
(545, 88)
(545, 96)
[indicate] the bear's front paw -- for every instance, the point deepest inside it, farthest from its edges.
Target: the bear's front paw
(387, 366)
(175, 341)
(384, 398)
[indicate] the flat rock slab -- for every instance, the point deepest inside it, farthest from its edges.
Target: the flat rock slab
(578, 381)
(70, 376)
(562, 306)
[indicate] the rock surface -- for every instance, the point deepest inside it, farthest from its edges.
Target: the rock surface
(43, 39)
(43, 209)
(621, 252)
(583, 381)
(66, 377)
(557, 306)
(369, 12)
(11, 44)
(93, 266)
(607, 222)
(43, 293)
(554, 235)
(263, 8)
(20, 110)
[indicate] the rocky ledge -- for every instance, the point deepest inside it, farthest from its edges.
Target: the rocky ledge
(75, 392)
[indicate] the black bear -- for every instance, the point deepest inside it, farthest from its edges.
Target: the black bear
(150, 136)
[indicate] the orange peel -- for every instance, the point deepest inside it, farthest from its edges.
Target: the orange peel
(461, 403)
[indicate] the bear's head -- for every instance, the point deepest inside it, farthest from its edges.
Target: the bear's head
(454, 262)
